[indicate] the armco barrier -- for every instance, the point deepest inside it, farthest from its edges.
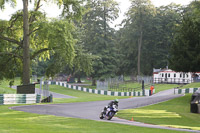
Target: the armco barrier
(19, 98)
(1, 99)
(185, 91)
(102, 92)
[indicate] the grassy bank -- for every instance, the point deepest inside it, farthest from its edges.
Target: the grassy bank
(80, 95)
(173, 113)
(191, 85)
(12, 121)
(5, 88)
(162, 87)
(20, 122)
(130, 86)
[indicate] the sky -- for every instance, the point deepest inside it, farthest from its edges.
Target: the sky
(53, 11)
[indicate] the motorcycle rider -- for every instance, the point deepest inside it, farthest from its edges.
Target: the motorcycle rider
(110, 104)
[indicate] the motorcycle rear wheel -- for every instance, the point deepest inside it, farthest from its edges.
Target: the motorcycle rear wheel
(101, 115)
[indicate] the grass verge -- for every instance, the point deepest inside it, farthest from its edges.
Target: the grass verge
(138, 87)
(162, 87)
(5, 88)
(80, 95)
(191, 85)
(20, 122)
(173, 113)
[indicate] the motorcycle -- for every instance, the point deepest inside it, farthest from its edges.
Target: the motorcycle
(110, 112)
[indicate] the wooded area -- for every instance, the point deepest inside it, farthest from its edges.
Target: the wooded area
(82, 43)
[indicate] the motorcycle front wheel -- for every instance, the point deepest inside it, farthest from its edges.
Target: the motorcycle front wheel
(110, 115)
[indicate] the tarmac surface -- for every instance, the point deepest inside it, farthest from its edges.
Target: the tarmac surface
(55, 95)
(91, 110)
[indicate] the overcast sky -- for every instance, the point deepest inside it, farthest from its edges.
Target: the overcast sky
(52, 10)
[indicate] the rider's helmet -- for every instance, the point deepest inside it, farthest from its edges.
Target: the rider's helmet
(116, 101)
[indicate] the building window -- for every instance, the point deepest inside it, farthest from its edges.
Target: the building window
(174, 75)
(180, 75)
(168, 74)
(162, 75)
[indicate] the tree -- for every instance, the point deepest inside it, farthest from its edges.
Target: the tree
(159, 37)
(139, 10)
(82, 64)
(99, 39)
(71, 10)
(135, 31)
(184, 52)
(158, 27)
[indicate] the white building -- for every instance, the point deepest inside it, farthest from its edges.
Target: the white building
(170, 76)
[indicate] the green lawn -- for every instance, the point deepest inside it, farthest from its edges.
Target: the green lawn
(5, 88)
(173, 113)
(20, 122)
(81, 96)
(138, 87)
(12, 121)
(162, 87)
(158, 87)
(122, 86)
(191, 85)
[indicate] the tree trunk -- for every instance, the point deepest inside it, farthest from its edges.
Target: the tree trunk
(139, 52)
(104, 19)
(93, 82)
(79, 79)
(26, 54)
(140, 41)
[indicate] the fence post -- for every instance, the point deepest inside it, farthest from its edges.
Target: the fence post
(143, 87)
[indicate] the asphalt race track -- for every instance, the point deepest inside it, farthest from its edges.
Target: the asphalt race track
(55, 95)
(91, 110)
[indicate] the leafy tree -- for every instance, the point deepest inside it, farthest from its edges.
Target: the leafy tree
(163, 27)
(184, 52)
(99, 39)
(135, 32)
(20, 45)
(158, 27)
(39, 67)
(82, 64)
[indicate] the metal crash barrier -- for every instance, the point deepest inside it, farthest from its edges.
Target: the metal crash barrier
(19, 98)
